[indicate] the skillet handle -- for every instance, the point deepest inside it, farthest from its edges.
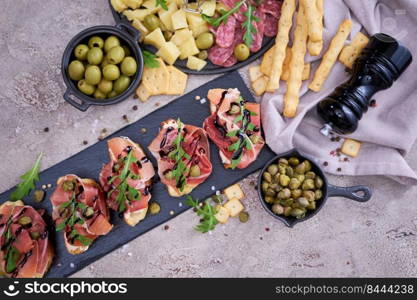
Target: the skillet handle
(135, 34)
(83, 106)
(351, 192)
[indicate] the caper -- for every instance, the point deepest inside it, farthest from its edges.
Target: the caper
(282, 169)
(89, 212)
(294, 183)
(154, 208)
(284, 194)
(269, 199)
(300, 177)
(293, 161)
(309, 195)
(310, 175)
(287, 211)
(277, 209)
(300, 169)
(298, 213)
(270, 192)
(203, 54)
(318, 194)
(68, 186)
(273, 186)
(308, 184)
(35, 235)
(284, 180)
(312, 205)
(255, 138)
(169, 175)
(289, 171)
(38, 196)
(283, 161)
(264, 186)
(243, 216)
(303, 202)
(273, 169)
(25, 220)
(296, 193)
(307, 165)
(267, 176)
(318, 182)
(234, 109)
(288, 202)
(195, 171)
(296, 205)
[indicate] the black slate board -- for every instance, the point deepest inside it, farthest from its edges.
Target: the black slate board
(88, 163)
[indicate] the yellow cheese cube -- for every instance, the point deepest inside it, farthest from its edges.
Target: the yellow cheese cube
(133, 4)
(222, 214)
(180, 36)
(118, 5)
(151, 5)
(188, 48)
(139, 14)
(142, 29)
(165, 16)
(199, 30)
(194, 20)
(234, 191)
(179, 20)
(208, 7)
(155, 38)
(234, 206)
(195, 63)
(169, 52)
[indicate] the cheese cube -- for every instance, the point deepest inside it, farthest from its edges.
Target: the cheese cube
(142, 29)
(351, 147)
(169, 52)
(139, 14)
(234, 191)
(194, 20)
(234, 206)
(199, 30)
(151, 5)
(179, 20)
(195, 63)
(180, 36)
(222, 214)
(155, 38)
(133, 3)
(165, 16)
(188, 48)
(208, 7)
(118, 5)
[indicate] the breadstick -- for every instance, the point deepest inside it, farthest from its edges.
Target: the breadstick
(336, 45)
(281, 42)
(298, 52)
(314, 48)
(352, 51)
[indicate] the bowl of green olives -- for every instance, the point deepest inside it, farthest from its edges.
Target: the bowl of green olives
(292, 188)
(102, 65)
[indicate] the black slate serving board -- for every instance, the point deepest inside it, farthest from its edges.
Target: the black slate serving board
(88, 163)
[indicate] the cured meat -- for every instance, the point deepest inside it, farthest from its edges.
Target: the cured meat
(271, 26)
(26, 250)
(239, 14)
(235, 127)
(80, 212)
(127, 179)
(225, 34)
(272, 7)
(183, 156)
(259, 28)
(219, 55)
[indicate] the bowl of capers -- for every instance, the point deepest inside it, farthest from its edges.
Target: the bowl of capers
(102, 65)
(292, 188)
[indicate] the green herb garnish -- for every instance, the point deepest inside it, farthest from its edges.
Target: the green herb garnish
(150, 59)
(12, 258)
(206, 212)
(162, 3)
(248, 26)
(224, 15)
(82, 239)
(28, 181)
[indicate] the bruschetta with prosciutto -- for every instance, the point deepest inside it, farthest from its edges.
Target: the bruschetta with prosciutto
(80, 212)
(235, 127)
(127, 179)
(26, 250)
(183, 156)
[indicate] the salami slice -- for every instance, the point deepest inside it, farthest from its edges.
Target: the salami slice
(259, 27)
(219, 55)
(226, 33)
(272, 7)
(239, 14)
(271, 25)
(230, 61)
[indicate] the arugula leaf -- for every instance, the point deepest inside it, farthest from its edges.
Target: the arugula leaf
(150, 59)
(29, 178)
(84, 240)
(224, 15)
(162, 3)
(207, 212)
(248, 26)
(12, 258)
(232, 133)
(61, 226)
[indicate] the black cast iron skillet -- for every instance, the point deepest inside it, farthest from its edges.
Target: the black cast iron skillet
(358, 193)
(128, 36)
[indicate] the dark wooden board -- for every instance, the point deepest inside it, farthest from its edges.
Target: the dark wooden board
(88, 163)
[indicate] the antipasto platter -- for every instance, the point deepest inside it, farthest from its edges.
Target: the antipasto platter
(113, 231)
(202, 37)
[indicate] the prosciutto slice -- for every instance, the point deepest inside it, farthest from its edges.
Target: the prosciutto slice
(26, 250)
(80, 212)
(138, 177)
(196, 158)
(235, 127)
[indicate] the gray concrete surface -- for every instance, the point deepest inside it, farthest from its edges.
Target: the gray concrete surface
(345, 239)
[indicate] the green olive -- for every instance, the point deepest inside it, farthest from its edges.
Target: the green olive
(111, 94)
(203, 55)
(115, 55)
(277, 209)
(93, 75)
(154, 208)
(111, 72)
(25, 220)
(95, 41)
(168, 35)
(293, 161)
(86, 88)
(105, 86)
(127, 50)
(318, 182)
(195, 171)
(111, 42)
(68, 186)
(267, 176)
(99, 94)
(38, 195)
(204, 40)
(151, 22)
(76, 70)
(308, 184)
(241, 52)
(81, 51)
(95, 56)
(273, 169)
(121, 84)
(318, 194)
(129, 66)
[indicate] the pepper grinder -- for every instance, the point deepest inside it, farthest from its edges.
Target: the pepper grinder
(381, 63)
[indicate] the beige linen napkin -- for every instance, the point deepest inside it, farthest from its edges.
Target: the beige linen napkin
(387, 131)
